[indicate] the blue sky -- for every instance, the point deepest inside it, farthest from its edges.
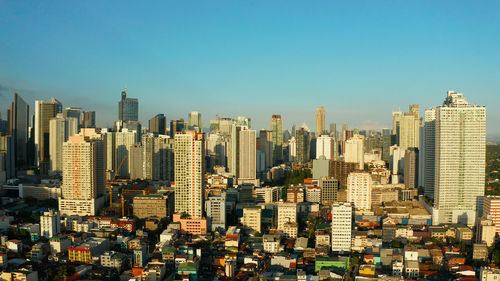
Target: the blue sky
(359, 59)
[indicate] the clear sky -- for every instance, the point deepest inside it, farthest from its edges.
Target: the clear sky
(359, 59)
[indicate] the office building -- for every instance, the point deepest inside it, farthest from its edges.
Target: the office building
(44, 111)
(83, 176)
(124, 140)
(292, 150)
(329, 190)
(460, 153)
(189, 168)
(88, 119)
(267, 194)
(194, 122)
(128, 108)
(342, 214)
(50, 224)
(153, 205)
(136, 156)
(176, 126)
(341, 170)
(320, 121)
(427, 157)
(58, 134)
(215, 207)
(266, 146)
(359, 190)
(252, 218)
(333, 131)
(158, 125)
(277, 129)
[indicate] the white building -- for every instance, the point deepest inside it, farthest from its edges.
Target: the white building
(313, 194)
(50, 224)
(216, 211)
(287, 212)
(355, 150)
(252, 218)
(460, 160)
(489, 274)
(359, 190)
(325, 146)
(341, 227)
(267, 194)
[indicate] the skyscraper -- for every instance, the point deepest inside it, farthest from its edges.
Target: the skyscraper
(406, 127)
(302, 140)
(88, 119)
(410, 168)
(247, 153)
(128, 108)
(18, 121)
(158, 124)
(460, 153)
(354, 150)
(359, 190)
(176, 126)
(277, 129)
(194, 122)
(124, 140)
(325, 147)
(83, 176)
(58, 131)
(333, 130)
(189, 165)
(320, 121)
(44, 111)
(428, 154)
(266, 145)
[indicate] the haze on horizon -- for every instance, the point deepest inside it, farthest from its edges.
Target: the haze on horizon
(360, 61)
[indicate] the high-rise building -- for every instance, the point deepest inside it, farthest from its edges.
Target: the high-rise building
(83, 176)
(354, 151)
(88, 119)
(341, 170)
(320, 121)
(341, 227)
(44, 111)
(277, 129)
(189, 165)
(407, 127)
(73, 112)
(266, 146)
(427, 157)
(158, 124)
(124, 140)
(292, 150)
(136, 155)
(58, 134)
(302, 140)
(359, 190)
(460, 154)
(128, 108)
(194, 122)
(325, 146)
(247, 158)
(333, 131)
(252, 218)
(176, 126)
(491, 209)
(329, 190)
(50, 224)
(411, 168)
(215, 207)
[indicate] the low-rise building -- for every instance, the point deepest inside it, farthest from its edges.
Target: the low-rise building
(91, 248)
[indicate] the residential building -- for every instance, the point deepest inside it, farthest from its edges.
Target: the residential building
(50, 224)
(87, 250)
(359, 190)
(354, 151)
(252, 218)
(342, 215)
(277, 131)
(158, 124)
(329, 190)
(326, 147)
(216, 211)
(287, 212)
(491, 210)
(44, 111)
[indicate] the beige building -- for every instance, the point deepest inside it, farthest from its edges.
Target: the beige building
(252, 218)
(287, 212)
(247, 154)
(189, 167)
(359, 190)
(320, 120)
(153, 205)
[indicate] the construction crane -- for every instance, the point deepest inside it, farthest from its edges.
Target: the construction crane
(112, 180)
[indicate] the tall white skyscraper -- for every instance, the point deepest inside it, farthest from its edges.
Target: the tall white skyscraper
(189, 165)
(407, 127)
(325, 146)
(359, 190)
(58, 135)
(460, 153)
(341, 227)
(247, 157)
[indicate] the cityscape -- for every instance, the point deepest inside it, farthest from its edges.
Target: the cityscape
(122, 191)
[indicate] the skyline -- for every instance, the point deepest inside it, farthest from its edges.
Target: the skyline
(360, 62)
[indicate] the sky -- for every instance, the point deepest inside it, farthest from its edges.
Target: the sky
(361, 60)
